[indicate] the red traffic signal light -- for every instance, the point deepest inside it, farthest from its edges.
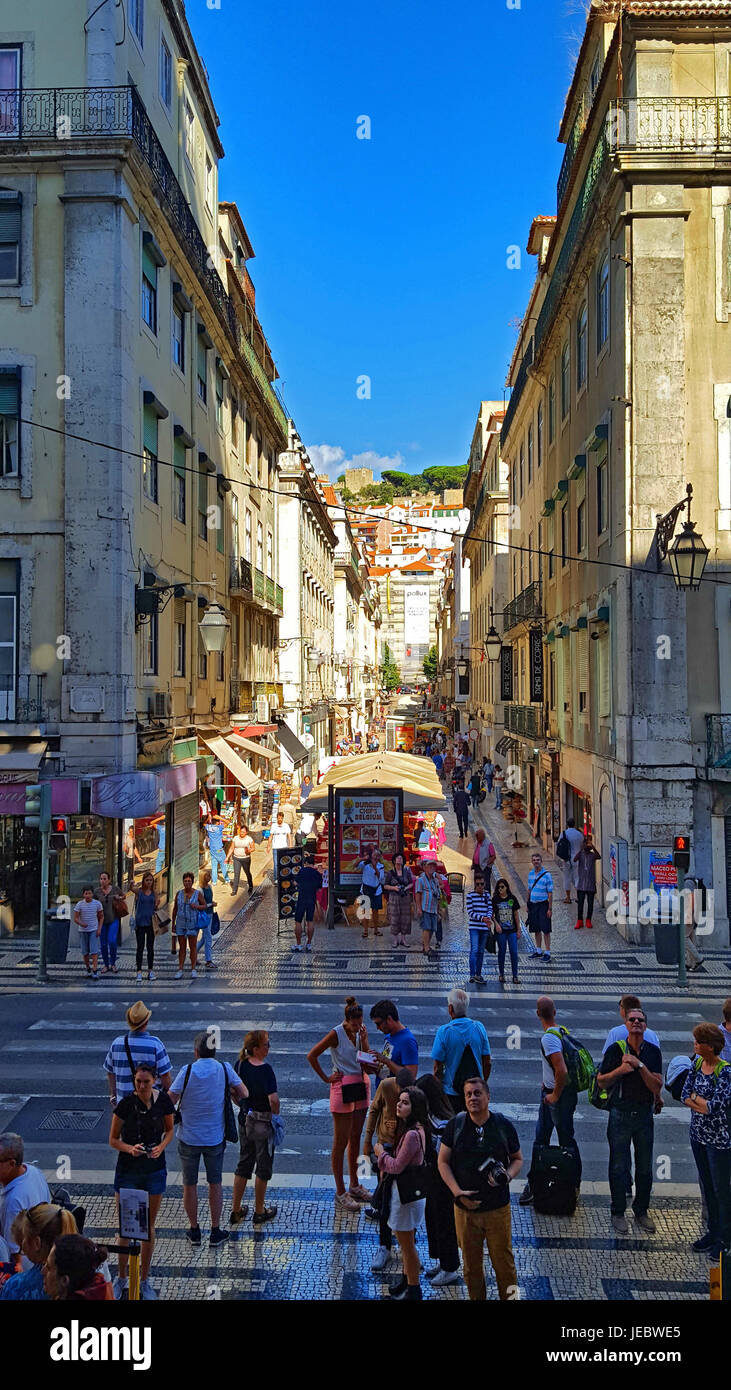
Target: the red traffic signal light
(59, 837)
(681, 852)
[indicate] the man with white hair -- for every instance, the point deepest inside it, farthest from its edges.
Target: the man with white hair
(461, 1048)
(23, 1186)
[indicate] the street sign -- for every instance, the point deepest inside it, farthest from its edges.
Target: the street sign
(308, 740)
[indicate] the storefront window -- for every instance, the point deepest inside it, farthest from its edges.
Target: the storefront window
(146, 849)
(20, 876)
(92, 843)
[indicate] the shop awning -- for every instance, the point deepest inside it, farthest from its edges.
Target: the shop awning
(21, 754)
(248, 743)
(231, 760)
(291, 744)
(416, 776)
(341, 713)
(257, 730)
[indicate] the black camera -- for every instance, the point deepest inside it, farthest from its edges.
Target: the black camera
(495, 1170)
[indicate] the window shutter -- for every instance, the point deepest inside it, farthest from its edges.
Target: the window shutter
(9, 393)
(149, 268)
(179, 452)
(149, 430)
(604, 687)
(10, 217)
(202, 360)
(583, 658)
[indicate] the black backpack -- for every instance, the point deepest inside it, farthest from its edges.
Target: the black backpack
(467, 1067)
(563, 849)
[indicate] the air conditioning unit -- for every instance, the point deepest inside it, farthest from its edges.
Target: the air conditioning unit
(262, 709)
(160, 705)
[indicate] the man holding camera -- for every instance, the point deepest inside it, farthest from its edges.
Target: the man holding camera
(478, 1158)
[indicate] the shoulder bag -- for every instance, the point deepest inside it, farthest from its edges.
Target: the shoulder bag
(129, 1058)
(230, 1127)
(414, 1182)
(119, 903)
(177, 1116)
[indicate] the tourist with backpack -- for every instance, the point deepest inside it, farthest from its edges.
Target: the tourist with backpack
(570, 841)
(479, 1156)
(631, 1076)
(203, 1091)
(707, 1094)
(461, 1048)
(559, 1094)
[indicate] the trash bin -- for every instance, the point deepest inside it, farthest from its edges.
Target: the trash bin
(667, 942)
(57, 938)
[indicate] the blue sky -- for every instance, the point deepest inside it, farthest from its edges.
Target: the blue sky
(387, 257)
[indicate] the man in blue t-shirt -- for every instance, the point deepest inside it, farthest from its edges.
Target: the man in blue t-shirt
(214, 835)
(451, 1042)
(401, 1052)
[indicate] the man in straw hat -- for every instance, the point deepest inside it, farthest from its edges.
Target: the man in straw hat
(136, 1045)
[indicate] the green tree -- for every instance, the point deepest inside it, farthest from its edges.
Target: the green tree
(442, 477)
(402, 482)
(430, 664)
(390, 673)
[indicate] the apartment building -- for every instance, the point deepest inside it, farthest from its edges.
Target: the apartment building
(356, 627)
(618, 684)
(138, 420)
(485, 545)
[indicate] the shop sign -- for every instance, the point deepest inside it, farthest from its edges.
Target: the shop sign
(364, 821)
(506, 673)
(535, 641)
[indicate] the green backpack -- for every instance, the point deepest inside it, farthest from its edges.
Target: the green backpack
(579, 1061)
(601, 1098)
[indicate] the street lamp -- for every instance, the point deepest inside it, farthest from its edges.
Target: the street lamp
(493, 644)
(688, 554)
(462, 667)
(214, 627)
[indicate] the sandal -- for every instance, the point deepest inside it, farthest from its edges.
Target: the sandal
(364, 935)
(378, 933)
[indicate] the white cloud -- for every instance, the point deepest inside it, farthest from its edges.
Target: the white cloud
(331, 459)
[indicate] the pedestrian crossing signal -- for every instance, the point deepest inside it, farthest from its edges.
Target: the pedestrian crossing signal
(59, 837)
(681, 852)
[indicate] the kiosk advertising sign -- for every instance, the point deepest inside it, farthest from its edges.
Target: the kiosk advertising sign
(366, 820)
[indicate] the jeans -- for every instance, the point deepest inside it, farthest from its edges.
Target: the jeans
(475, 798)
(507, 940)
(585, 894)
(440, 1231)
(478, 942)
(108, 942)
(242, 865)
(498, 797)
(207, 937)
(625, 1128)
(218, 860)
(145, 936)
(488, 781)
(714, 1177)
(561, 1118)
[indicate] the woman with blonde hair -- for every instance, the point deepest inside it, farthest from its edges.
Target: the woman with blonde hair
(256, 1131)
(349, 1087)
(36, 1232)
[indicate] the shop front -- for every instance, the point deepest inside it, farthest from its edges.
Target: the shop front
(550, 798)
(578, 807)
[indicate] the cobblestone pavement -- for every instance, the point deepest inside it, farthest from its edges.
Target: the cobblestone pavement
(53, 1040)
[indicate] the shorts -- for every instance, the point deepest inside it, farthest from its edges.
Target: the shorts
(89, 943)
(429, 922)
(338, 1106)
(190, 1157)
(256, 1138)
(538, 918)
(305, 910)
(189, 931)
(374, 896)
(153, 1183)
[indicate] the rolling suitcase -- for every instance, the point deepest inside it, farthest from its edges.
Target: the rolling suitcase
(554, 1180)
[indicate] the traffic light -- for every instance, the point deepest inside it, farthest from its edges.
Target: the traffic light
(37, 809)
(59, 837)
(681, 852)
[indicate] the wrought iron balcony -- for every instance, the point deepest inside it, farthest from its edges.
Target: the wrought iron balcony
(527, 607)
(718, 738)
(63, 114)
(21, 700)
(524, 719)
(240, 581)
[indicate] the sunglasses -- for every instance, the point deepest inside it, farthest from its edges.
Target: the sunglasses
(635, 1019)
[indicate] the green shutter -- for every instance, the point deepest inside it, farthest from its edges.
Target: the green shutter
(9, 393)
(179, 452)
(149, 430)
(202, 492)
(149, 269)
(202, 360)
(10, 219)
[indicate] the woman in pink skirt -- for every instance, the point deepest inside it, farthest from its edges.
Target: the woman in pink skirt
(350, 1092)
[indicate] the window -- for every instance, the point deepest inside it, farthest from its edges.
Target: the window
(149, 289)
(582, 643)
(10, 213)
(179, 668)
(202, 661)
(234, 422)
(9, 432)
(602, 303)
(203, 507)
(582, 347)
(221, 666)
(10, 79)
(188, 132)
(602, 519)
(539, 435)
(9, 576)
(137, 19)
(149, 453)
(604, 693)
(209, 184)
(530, 558)
(235, 526)
(552, 410)
(247, 537)
(565, 380)
(179, 481)
(564, 534)
(149, 645)
(202, 371)
(530, 452)
(178, 338)
(270, 554)
(520, 469)
(220, 531)
(259, 546)
(539, 555)
(166, 75)
(261, 461)
(219, 399)
(580, 527)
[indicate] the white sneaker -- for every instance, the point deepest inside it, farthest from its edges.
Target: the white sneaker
(139, 977)
(295, 947)
(178, 974)
(308, 947)
(119, 1286)
(194, 974)
(441, 1279)
(146, 1291)
(151, 975)
(383, 1257)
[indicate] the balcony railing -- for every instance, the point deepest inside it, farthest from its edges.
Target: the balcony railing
(241, 581)
(718, 737)
(524, 719)
(260, 585)
(517, 391)
(21, 699)
(71, 113)
(671, 125)
(526, 607)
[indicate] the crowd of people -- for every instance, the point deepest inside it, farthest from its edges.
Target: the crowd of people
(442, 1157)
